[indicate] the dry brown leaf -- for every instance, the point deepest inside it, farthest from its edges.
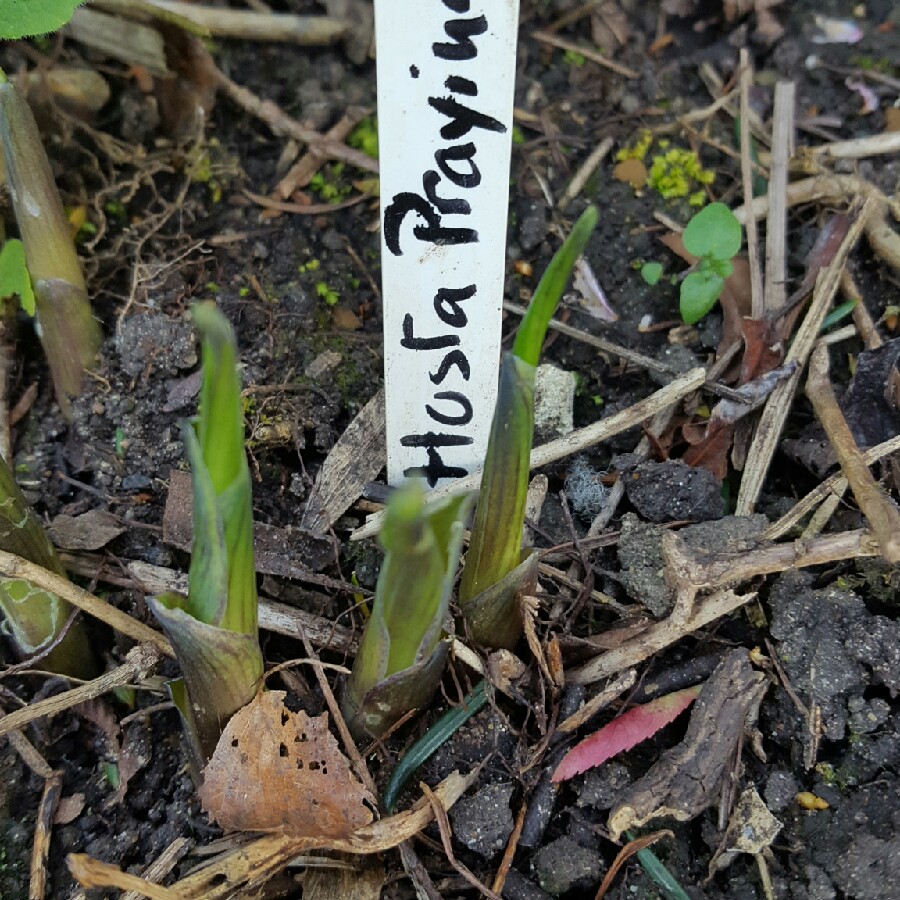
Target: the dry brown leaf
(279, 771)
(91, 531)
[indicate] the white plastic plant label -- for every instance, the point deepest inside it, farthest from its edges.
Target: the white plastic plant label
(446, 73)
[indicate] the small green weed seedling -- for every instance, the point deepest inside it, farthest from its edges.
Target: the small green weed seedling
(714, 236)
(214, 629)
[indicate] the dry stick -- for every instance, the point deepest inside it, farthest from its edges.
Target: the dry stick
(632, 356)
(139, 663)
(876, 506)
(691, 575)
(279, 618)
(12, 566)
(860, 148)
(29, 754)
(768, 431)
(836, 484)
(868, 331)
(40, 852)
(884, 241)
(252, 26)
(301, 172)
(283, 125)
(85, 869)
(554, 41)
(587, 168)
(757, 303)
(163, 864)
(776, 223)
(572, 443)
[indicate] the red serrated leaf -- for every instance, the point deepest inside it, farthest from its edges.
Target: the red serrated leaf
(632, 727)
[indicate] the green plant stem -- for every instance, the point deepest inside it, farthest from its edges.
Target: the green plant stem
(70, 334)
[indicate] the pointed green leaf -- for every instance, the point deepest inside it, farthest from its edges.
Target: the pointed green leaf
(495, 551)
(550, 289)
(25, 18)
(208, 575)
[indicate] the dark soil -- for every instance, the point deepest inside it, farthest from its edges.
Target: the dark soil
(834, 629)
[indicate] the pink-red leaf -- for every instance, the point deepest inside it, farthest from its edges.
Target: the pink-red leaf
(632, 727)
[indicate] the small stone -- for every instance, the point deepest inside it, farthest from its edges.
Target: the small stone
(602, 786)
(484, 822)
(670, 490)
(780, 790)
(564, 865)
(136, 482)
(554, 401)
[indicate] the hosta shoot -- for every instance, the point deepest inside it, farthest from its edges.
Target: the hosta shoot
(404, 648)
(36, 619)
(68, 330)
(495, 574)
(214, 628)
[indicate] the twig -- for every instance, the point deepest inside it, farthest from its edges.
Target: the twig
(776, 222)
(599, 701)
(554, 41)
(510, 852)
(768, 431)
(163, 864)
(301, 172)
(300, 209)
(756, 289)
(29, 754)
(868, 331)
(877, 507)
(572, 443)
(91, 872)
(585, 170)
(241, 23)
(139, 663)
(283, 125)
(12, 566)
(279, 618)
(632, 356)
(836, 484)
(690, 575)
(40, 852)
(858, 148)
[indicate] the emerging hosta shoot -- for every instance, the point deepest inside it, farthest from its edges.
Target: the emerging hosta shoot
(404, 647)
(67, 328)
(34, 618)
(214, 629)
(495, 574)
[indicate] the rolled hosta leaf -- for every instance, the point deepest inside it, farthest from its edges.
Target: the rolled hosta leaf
(34, 617)
(496, 546)
(68, 330)
(214, 629)
(402, 653)
(222, 670)
(493, 618)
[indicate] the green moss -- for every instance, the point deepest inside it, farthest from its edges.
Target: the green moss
(365, 137)
(330, 296)
(329, 184)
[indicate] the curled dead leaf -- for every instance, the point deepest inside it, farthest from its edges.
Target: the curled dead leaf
(279, 771)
